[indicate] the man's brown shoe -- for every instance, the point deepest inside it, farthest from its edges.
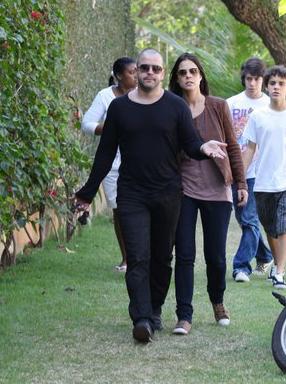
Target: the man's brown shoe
(143, 331)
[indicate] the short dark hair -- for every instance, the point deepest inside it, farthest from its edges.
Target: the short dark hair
(148, 51)
(119, 66)
(173, 84)
(253, 66)
(276, 70)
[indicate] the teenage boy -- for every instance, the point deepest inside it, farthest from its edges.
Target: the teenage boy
(251, 243)
(266, 129)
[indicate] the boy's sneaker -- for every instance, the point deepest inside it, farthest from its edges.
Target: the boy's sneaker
(278, 281)
(272, 272)
(241, 277)
(182, 327)
(221, 314)
(261, 268)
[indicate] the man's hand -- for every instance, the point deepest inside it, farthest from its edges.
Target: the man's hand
(81, 205)
(242, 196)
(213, 149)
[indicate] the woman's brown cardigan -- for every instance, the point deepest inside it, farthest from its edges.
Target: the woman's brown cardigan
(219, 127)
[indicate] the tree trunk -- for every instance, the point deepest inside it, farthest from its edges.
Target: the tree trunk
(262, 17)
(8, 256)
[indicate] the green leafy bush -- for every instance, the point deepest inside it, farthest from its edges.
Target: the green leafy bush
(55, 55)
(38, 150)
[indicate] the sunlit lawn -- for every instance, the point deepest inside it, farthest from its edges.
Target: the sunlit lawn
(64, 319)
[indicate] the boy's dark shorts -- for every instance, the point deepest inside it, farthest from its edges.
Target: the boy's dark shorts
(271, 209)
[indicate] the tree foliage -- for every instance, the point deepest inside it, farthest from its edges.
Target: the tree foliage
(211, 32)
(37, 149)
(282, 7)
(263, 18)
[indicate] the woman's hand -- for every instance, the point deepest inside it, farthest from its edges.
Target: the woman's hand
(99, 129)
(242, 196)
(213, 149)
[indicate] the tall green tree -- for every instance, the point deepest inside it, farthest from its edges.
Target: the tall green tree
(263, 18)
(212, 33)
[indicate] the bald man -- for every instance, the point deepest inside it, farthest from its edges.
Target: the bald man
(150, 126)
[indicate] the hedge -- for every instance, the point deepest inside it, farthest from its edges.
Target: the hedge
(55, 55)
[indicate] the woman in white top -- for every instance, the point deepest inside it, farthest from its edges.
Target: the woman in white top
(124, 74)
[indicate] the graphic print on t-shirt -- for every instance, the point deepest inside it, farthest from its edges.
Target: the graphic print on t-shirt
(240, 118)
(241, 107)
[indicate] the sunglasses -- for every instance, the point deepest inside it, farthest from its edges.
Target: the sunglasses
(184, 72)
(146, 68)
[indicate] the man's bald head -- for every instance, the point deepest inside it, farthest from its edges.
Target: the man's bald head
(149, 52)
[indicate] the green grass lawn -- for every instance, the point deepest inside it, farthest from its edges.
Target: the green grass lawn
(64, 319)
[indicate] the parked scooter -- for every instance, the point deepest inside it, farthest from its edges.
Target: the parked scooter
(279, 335)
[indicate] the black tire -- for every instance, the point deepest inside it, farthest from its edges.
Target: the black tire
(279, 341)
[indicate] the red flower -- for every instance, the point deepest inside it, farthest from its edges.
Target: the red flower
(5, 45)
(52, 193)
(77, 115)
(36, 15)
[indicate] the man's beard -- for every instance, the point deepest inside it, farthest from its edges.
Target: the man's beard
(145, 88)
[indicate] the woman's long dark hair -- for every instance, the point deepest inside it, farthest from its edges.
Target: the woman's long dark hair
(118, 67)
(173, 84)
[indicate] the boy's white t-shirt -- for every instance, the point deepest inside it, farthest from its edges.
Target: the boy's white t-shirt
(267, 128)
(241, 106)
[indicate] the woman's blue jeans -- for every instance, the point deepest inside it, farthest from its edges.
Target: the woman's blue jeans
(251, 243)
(215, 217)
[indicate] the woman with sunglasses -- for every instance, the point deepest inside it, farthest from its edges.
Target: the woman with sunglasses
(123, 79)
(206, 188)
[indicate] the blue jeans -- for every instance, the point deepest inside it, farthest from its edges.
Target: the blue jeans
(215, 217)
(251, 243)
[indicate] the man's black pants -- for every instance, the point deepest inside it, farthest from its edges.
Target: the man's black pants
(148, 228)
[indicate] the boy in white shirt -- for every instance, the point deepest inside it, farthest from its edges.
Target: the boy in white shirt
(251, 244)
(266, 129)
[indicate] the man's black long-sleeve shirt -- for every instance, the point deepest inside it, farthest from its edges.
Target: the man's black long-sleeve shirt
(150, 137)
